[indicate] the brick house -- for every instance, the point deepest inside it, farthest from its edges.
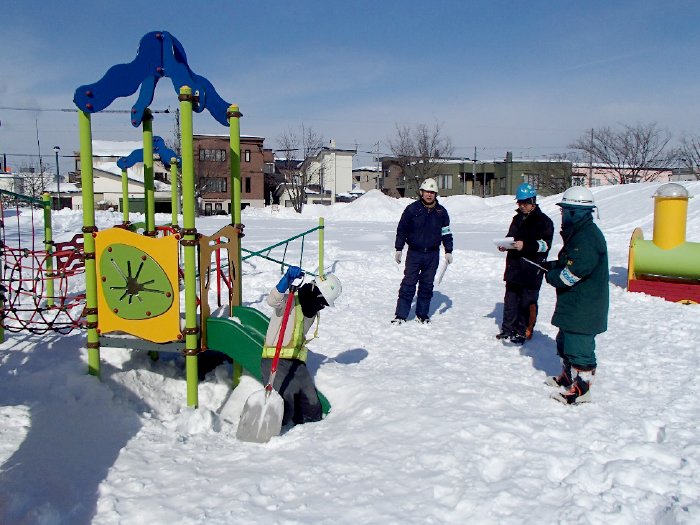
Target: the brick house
(212, 170)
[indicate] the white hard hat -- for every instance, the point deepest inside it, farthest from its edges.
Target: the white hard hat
(578, 196)
(329, 286)
(429, 185)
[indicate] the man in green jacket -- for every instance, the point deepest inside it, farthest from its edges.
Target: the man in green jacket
(580, 275)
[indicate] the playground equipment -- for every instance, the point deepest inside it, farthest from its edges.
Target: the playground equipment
(36, 283)
(167, 157)
(133, 292)
(666, 266)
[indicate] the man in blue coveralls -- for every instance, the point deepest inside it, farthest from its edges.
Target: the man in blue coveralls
(424, 225)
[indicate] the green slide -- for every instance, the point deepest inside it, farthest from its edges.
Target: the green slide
(243, 341)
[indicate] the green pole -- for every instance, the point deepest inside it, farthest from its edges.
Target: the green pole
(125, 196)
(320, 245)
(48, 245)
(86, 179)
(234, 119)
(174, 196)
(148, 187)
(189, 242)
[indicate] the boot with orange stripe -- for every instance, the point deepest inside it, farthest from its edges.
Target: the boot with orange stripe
(563, 379)
(580, 389)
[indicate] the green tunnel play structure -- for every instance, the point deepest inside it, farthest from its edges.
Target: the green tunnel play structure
(667, 266)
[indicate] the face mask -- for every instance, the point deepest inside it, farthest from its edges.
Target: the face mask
(571, 216)
(311, 300)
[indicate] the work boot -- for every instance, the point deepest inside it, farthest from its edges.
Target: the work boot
(423, 320)
(396, 321)
(503, 335)
(517, 339)
(531, 321)
(580, 389)
(563, 379)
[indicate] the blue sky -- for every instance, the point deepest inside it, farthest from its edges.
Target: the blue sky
(529, 77)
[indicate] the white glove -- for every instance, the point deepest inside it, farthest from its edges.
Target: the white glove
(448, 258)
(397, 256)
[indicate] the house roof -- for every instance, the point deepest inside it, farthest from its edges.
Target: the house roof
(131, 174)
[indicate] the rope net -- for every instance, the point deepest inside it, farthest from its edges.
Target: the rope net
(28, 274)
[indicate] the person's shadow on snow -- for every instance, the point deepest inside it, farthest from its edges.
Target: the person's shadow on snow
(347, 357)
(541, 348)
(77, 428)
(618, 276)
(439, 304)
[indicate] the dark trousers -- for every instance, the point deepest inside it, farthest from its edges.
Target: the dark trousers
(294, 384)
(577, 349)
(517, 308)
(420, 268)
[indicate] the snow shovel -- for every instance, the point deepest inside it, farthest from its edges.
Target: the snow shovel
(262, 414)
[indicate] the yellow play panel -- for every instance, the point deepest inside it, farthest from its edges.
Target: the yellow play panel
(137, 285)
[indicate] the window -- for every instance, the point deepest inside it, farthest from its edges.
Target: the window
(578, 181)
(534, 179)
(247, 184)
(445, 182)
(218, 207)
(217, 185)
(595, 182)
(207, 208)
(216, 155)
(247, 155)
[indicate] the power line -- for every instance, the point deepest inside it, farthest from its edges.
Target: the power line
(76, 110)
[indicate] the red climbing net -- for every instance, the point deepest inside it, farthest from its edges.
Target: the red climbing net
(27, 275)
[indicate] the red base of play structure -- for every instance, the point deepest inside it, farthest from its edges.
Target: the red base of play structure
(670, 290)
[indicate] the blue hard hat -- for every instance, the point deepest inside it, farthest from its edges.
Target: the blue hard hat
(525, 191)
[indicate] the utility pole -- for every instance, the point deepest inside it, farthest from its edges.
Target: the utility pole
(379, 168)
(474, 167)
(590, 162)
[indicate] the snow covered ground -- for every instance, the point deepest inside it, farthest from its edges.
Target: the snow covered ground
(429, 424)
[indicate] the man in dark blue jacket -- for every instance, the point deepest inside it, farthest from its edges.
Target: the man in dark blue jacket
(532, 232)
(424, 225)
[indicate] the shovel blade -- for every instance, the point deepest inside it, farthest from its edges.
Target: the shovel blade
(261, 418)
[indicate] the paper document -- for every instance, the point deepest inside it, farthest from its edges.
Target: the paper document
(505, 242)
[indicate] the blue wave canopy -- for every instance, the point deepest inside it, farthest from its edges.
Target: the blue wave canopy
(159, 55)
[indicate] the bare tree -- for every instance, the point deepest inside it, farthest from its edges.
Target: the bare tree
(689, 154)
(637, 153)
(555, 174)
(32, 181)
(298, 149)
(175, 144)
(418, 151)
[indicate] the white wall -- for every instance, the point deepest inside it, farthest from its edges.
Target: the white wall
(335, 167)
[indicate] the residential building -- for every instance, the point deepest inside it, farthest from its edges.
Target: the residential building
(366, 177)
(594, 175)
(212, 169)
(681, 174)
(331, 173)
(107, 179)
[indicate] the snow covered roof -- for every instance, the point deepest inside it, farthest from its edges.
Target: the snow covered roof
(66, 187)
(113, 169)
(114, 148)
